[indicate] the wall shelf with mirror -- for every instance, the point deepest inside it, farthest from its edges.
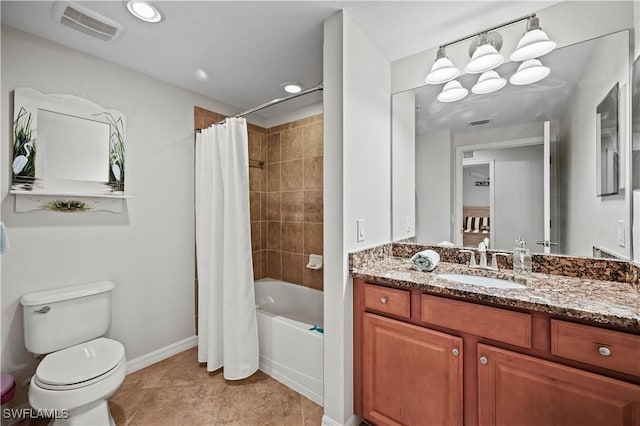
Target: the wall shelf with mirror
(559, 114)
(68, 153)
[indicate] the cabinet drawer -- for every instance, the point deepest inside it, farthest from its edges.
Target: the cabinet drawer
(605, 348)
(389, 300)
(484, 321)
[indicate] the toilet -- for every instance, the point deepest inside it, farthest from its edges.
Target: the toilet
(80, 369)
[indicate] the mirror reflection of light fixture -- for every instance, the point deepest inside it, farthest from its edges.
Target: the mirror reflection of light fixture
(442, 70)
(534, 43)
(488, 82)
(529, 72)
(484, 53)
(452, 91)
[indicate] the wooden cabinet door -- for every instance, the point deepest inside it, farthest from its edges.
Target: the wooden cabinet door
(411, 375)
(515, 389)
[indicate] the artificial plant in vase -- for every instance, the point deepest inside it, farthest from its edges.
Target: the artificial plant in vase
(24, 147)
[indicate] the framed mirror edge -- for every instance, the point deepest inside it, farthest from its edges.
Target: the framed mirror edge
(27, 102)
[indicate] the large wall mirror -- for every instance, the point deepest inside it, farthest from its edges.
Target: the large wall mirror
(521, 161)
(66, 145)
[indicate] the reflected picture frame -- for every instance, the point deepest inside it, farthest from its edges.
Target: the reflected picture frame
(608, 144)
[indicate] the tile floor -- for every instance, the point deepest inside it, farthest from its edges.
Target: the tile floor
(178, 391)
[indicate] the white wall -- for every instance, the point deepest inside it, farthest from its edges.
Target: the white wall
(518, 195)
(357, 178)
(434, 190)
(435, 163)
(593, 219)
(480, 136)
(297, 114)
(636, 27)
(566, 22)
(147, 250)
(403, 182)
(473, 195)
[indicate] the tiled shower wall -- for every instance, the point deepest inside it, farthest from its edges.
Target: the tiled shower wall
(294, 201)
(285, 196)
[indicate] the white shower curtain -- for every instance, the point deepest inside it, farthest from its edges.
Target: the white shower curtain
(227, 327)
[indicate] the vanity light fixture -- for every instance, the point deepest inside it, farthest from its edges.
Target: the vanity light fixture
(534, 43)
(144, 10)
(488, 82)
(529, 72)
(442, 70)
(485, 57)
(484, 53)
(291, 87)
(452, 92)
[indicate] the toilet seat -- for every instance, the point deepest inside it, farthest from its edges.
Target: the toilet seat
(80, 365)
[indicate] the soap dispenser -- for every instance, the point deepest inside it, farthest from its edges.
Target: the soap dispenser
(521, 258)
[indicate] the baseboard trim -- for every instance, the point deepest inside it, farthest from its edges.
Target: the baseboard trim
(351, 421)
(160, 354)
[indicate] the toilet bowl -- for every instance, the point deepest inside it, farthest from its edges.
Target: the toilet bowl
(79, 379)
(80, 369)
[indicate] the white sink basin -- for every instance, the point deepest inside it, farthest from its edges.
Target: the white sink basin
(481, 281)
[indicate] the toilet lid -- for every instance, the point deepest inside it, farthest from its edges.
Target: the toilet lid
(80, 363)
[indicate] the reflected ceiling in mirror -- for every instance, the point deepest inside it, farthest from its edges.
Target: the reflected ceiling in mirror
(544, 99)
(542, 134)
(66, 145)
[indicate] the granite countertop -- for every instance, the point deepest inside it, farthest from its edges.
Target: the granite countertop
(605, 302)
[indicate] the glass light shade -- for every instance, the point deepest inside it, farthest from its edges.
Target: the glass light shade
(144, 11)
(292, 88)
(485, 58)
(533, 44)
(529, 72)
(452, 91)
(442, 71)
(488, 82)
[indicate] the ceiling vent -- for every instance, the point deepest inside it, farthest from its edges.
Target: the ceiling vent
(86, 21)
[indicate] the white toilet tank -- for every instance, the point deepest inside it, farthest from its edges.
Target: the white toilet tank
(63, 317)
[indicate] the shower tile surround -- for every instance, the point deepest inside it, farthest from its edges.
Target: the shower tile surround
(293, 192)
(285, 197)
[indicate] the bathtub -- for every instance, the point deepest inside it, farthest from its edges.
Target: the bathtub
(289, 351)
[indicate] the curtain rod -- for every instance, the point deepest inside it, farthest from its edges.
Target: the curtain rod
(315, 88)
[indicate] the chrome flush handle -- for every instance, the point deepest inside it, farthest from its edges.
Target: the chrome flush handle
(42, 310)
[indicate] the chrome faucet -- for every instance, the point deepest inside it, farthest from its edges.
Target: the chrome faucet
(482, 249)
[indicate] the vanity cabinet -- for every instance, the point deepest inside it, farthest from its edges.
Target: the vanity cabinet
(422, 359)
(515, 388)
(411, 375)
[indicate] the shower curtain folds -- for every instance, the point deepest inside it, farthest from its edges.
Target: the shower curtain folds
(227, 325)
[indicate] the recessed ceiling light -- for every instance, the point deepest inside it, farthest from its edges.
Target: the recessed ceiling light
(144, 10)
(291, 87)
(201, 75)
